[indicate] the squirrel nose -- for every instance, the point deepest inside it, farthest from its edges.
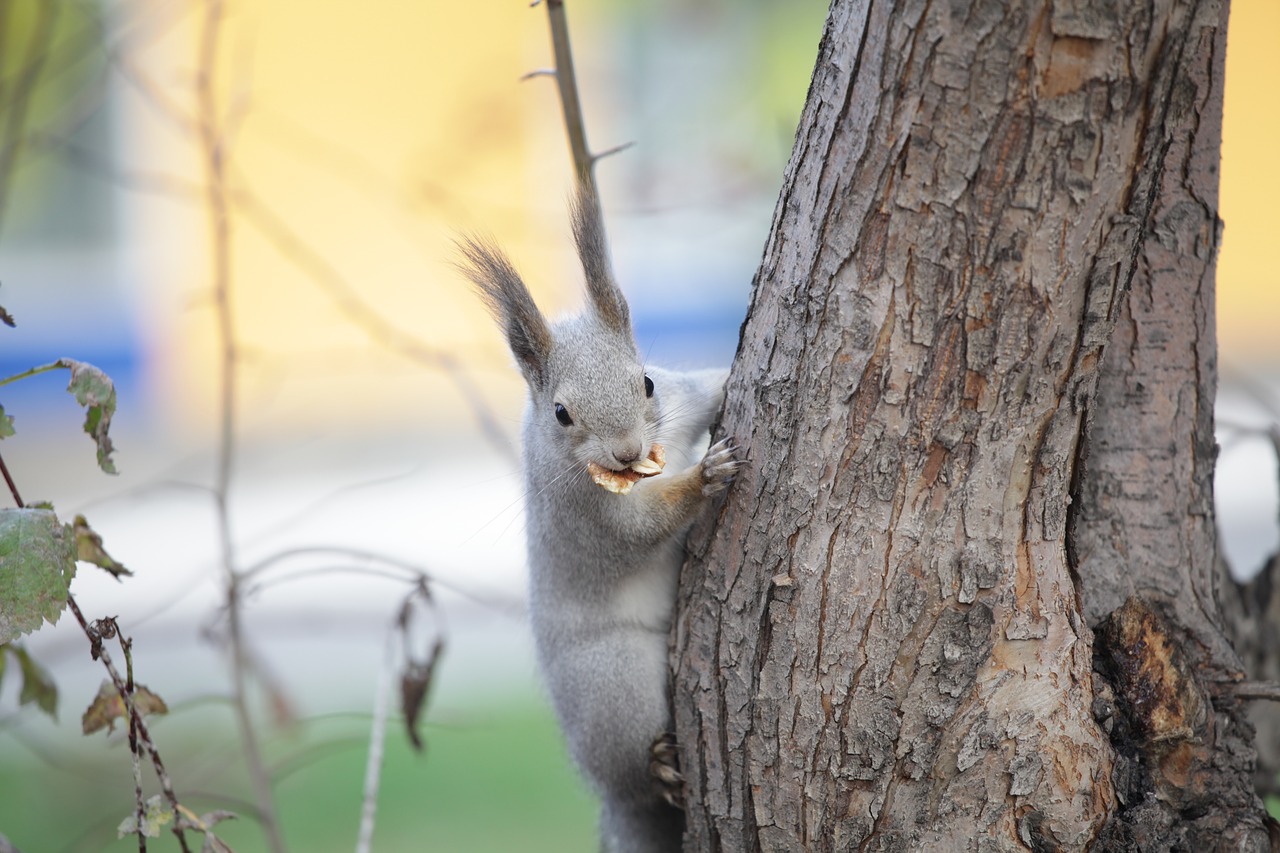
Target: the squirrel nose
(627, 455)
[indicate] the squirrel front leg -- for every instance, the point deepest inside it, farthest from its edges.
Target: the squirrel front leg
(660, 507)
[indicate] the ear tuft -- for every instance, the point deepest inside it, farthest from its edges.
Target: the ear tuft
(593, 250)
(509, 300)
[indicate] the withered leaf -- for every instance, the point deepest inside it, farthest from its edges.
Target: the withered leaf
(156, 814)
(415, 682)
(89, 549)
(108, 707)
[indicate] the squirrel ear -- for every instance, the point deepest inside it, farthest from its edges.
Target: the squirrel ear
(593, 250)
(507, 298)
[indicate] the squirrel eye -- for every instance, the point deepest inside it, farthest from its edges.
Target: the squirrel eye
(648, 387)
(562, 415)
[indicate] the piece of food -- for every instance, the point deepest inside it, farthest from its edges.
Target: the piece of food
(620, 482)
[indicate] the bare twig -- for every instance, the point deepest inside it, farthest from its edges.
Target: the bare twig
(77, 156)
(1269, 690)
(212, 144)
(344, 295)
(412, 572)
(136, 723)
(13, 487)
(135, 750)
(567, 85)
(377, 742)
(584, 161)
(402, 571)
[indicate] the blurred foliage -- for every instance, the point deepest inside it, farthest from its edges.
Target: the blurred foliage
(496, 782)
(52, 90)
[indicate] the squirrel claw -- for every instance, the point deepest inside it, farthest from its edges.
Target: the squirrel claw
(719, 466)
(664, 764)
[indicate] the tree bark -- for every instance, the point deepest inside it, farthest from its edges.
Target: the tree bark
(881, 643)
(1142, 534)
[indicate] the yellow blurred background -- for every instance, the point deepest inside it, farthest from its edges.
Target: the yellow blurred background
(361, 139)
(374, 137)
(1248, 276)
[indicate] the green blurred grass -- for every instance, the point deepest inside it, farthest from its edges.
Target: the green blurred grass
(496, 780)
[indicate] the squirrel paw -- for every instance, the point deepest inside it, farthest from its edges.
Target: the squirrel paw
(719, 466)
(664, 764)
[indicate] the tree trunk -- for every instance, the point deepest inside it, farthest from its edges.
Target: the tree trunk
(882, 642)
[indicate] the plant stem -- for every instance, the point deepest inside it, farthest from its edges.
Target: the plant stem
(377, 748)
(212, 139)
(135, 749)
(567, 85)
(44, 368)
(13, 487)
(136, 722)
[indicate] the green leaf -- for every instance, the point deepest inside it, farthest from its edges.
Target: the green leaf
(37, 563)
(89, 549)
(95, 391)
(6, 424)
(155, 815)
(37, 684)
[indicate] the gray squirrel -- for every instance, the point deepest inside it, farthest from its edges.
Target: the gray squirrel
(603, 566)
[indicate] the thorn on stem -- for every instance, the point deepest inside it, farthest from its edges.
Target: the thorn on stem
(609, 152)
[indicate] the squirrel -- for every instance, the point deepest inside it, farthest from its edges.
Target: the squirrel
(603, 566)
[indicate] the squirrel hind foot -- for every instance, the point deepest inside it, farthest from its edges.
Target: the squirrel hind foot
(664, 765)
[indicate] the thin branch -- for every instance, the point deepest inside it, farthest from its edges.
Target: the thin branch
(135, 749)
(357, 310)
(13, 487)
(1269, 690)
(321, 571)
(31, 371)
(157, 183)
(377, 748)
(212, 141)
(584, 162)
(412, 573)
(609, 152)
(567, 85)
(143, 733)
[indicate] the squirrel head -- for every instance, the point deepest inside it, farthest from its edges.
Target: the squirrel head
(591, 400)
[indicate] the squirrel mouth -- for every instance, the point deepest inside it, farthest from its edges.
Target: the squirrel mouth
(620, 482)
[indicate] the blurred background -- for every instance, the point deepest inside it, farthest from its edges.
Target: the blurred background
(358, 139)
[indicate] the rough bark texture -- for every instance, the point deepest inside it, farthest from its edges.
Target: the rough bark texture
(1142, 527)
(880, 644)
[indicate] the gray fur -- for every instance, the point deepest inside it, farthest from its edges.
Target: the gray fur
(588, 233)
(603, 566)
